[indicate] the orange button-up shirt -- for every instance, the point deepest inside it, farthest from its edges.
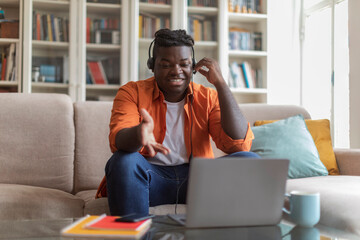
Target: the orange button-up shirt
(205, 118)
(205, 113)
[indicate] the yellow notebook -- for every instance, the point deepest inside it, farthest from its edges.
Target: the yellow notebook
(77, 229)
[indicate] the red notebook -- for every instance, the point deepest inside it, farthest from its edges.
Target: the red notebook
(108, 223)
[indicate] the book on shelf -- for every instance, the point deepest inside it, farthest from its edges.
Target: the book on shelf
(243, 39)
(2, 14)
(110, 66)
(243, 75)
(149, 24)
(97, 73)
(48, 27)
(202, 28)
(81, 228)
(103, 30)
(202, 3)
(104, 1)
(245, 6)
(51, 68)
(48, 72)
(107, 36)
(157, 1)
(248, 76)
(3, 69)
(237, 77)
(8, 62)
(10, 65)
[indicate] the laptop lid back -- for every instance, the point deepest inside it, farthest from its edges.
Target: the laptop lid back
(232, 191)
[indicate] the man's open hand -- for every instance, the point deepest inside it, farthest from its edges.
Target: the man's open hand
(147, 135)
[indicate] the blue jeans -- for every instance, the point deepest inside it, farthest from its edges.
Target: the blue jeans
(134, 184)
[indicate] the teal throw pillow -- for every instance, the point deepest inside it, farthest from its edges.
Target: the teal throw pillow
(289, 138)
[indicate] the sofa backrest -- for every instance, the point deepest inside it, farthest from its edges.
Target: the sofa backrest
(92, 148)
(92, 129)
(258, 111)
(37, 139)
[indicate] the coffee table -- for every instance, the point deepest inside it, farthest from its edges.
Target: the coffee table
(165, 228)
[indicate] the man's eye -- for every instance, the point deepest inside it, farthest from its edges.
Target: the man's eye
(165, 66)
(185, 65)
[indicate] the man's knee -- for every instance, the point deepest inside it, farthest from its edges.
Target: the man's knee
(123, 162)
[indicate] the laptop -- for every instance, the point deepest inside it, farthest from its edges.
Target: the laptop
(230, 191)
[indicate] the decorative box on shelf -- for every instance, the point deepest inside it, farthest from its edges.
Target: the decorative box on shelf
(9, 28)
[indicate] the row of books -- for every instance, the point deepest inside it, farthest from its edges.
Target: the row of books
(105, 1)
(106, 227)
(8, 63)
(202, 3)
(245, 6)
(202, 28)
(157, 1)
(48, 27)
(104, 30)
(149, 24)
(243, 75)
(104, 71)
(50, 69)
(242, 39)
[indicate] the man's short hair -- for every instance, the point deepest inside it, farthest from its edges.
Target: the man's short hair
(171, 38)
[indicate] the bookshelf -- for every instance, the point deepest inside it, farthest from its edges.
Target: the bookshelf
(101, 40)
(49, 52)
(122, 50)
(11, 44)
(243, 28)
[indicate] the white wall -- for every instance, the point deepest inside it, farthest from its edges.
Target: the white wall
(283, 58)
(354, 85)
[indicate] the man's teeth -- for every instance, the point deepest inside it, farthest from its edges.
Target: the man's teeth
(175, 80)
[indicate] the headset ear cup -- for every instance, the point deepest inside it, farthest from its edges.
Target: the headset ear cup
(150, 63)
(193, 65)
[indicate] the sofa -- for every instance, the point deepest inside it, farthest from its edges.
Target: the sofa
(53, 153)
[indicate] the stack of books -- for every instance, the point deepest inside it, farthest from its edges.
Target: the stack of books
(106, 227)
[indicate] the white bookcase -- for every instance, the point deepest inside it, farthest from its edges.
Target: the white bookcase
(13, 11)
(45, 51)
(113, 52)
(218, 48)
(253, 22)
(132, 49)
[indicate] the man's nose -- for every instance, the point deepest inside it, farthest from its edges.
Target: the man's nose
(176, 69)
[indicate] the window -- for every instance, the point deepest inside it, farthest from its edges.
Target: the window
(325, 65)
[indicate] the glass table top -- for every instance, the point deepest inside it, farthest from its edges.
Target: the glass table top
(164, 228)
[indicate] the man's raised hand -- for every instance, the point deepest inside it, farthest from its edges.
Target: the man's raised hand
(147, 135)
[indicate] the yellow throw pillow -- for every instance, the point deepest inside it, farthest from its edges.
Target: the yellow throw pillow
(320, 132)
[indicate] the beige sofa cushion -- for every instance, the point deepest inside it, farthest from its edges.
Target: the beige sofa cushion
(100, 205)
(339, 199)
(37, 140)
(28, 202)
(91, 143)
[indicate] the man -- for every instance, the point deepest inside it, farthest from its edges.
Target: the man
(158, 124)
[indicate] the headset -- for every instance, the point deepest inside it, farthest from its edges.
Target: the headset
(151, 60)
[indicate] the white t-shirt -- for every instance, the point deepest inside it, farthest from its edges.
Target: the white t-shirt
(174, 136)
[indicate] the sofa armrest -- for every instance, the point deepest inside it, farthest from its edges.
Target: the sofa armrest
(348, 161)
